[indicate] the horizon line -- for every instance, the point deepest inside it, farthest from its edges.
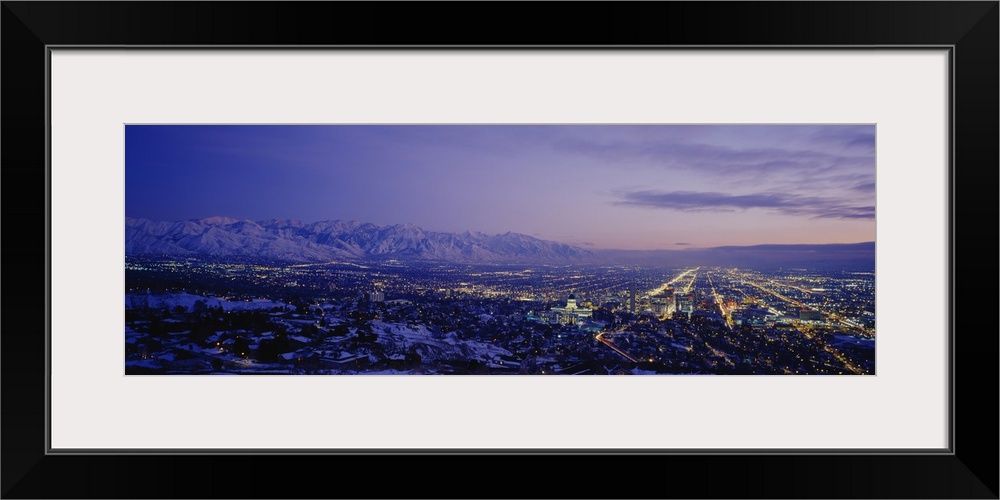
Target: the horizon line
(686, 246)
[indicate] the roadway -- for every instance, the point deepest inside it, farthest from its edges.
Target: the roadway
(601, 339)
(727, 315)
(807, 331)
(675, 280)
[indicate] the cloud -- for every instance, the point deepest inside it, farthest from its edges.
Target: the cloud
(683, 243)
(848, 212)
(865, 187)
(856, 139)
(783, 203)
(784, 158)
(722, 159)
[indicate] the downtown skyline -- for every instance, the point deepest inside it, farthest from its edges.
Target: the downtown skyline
(640, 187)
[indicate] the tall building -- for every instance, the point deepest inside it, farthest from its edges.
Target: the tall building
(662, 304)
(684, 302)
(572, 313)
(631, 302)
(571, 302)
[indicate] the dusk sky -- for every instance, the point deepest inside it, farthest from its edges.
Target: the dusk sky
(594, 186)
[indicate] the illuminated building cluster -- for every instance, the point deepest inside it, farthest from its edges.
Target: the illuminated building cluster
(203, 316)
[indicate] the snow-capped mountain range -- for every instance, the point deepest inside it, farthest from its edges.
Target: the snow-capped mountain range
(294, 241)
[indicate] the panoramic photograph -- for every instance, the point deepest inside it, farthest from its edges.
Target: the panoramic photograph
(500, 249)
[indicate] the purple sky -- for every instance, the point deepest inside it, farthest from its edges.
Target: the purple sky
(596, 186)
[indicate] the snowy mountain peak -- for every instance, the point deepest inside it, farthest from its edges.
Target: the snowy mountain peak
(337, 240)
(217, 220)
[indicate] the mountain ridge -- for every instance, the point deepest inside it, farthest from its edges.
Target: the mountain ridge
(293, 240)
(338, 240)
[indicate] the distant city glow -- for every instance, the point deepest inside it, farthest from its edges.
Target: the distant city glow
(202, 315)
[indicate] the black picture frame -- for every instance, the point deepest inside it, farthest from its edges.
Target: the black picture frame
(970, 29)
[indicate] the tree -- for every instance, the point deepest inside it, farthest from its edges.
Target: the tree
(311, 331)
(413, 358)
(269, 350)
(474, 366)
(241, 348)
(201, 330)
(365, 333)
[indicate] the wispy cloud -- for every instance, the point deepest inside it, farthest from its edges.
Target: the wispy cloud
(865, 187)
(783, 203)
(784, 158)
(854, 139)
(847, 212)
(722, 159)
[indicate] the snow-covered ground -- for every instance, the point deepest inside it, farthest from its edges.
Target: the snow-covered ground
(188, 300)
(431, 345)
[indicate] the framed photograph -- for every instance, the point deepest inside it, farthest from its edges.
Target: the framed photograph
(447, 249)
(783, 284)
